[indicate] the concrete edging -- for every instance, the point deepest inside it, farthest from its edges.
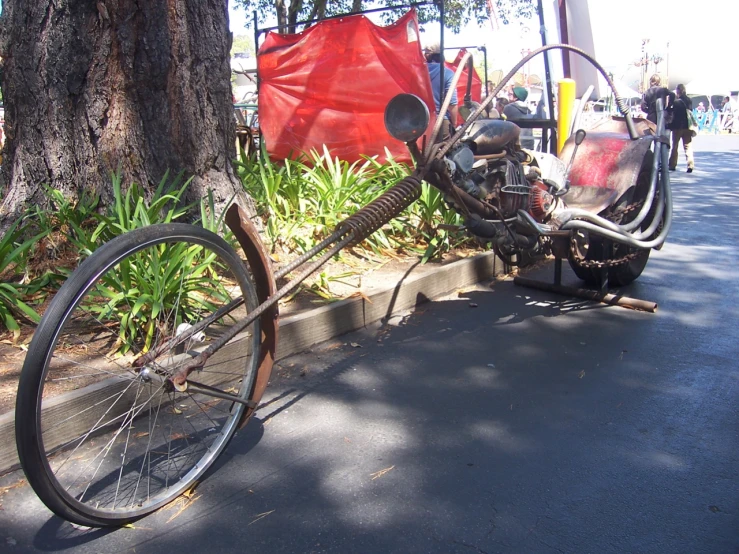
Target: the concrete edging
(301, 331)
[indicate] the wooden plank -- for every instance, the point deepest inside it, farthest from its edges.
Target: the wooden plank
(301, 331)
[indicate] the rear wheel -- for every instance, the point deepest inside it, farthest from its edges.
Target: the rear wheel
(102, 440)
(618, 275)
(627, 272)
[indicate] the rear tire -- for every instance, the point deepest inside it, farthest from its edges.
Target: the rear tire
(104, 442)
(622, 274)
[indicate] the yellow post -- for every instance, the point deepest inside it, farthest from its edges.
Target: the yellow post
(565, 105)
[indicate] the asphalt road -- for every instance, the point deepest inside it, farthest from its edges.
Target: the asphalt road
(530, 423)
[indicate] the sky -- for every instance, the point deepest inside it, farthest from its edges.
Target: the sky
(702, 42)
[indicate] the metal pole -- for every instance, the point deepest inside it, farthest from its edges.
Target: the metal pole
(548, 81)
(485, 55)
(339, 16)
(256, 43)
(442, 65)
(668, 65)
(587, 294)
(564, 38)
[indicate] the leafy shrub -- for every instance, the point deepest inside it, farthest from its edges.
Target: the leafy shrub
(180, 279)
(13, 251)
(133, 210)
(151, 290)
(302, 201)
(147, 291)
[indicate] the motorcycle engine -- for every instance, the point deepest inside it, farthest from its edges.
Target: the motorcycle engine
(510, 182)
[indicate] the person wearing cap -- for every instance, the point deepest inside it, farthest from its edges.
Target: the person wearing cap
(519, 109)
(432, 53)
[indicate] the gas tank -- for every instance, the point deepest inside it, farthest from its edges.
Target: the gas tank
(491, 136)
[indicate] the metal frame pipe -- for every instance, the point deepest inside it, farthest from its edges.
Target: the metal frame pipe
(623, 108)
(445, 105)
(628, 239)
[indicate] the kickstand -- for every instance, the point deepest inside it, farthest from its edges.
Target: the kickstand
(601, 295)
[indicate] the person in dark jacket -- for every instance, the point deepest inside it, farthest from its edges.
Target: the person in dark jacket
(655, 91)
(681, 128)
(500, 104)
(520, 110)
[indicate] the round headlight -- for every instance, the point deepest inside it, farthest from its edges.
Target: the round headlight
(406, 117)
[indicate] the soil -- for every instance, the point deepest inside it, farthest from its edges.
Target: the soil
(353, 274)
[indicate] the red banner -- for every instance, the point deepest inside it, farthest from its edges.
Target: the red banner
(330, 85)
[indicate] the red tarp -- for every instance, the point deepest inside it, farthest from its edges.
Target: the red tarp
(476, 92)
(330, 85)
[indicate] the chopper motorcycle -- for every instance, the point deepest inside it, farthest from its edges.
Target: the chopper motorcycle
(159, 347)
(602, 204)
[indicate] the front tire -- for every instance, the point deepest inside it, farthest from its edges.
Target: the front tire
(102, 441)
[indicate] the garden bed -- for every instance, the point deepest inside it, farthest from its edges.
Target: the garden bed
(351, 275)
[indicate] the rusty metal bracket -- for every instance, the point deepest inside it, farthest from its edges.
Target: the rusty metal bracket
(602, 296)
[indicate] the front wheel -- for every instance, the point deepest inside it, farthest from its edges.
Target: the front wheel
(102, 439)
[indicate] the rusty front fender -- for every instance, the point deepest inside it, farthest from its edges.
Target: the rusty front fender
(607, 164)
(261, 270)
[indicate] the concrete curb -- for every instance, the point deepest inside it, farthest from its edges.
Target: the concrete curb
(301, 331)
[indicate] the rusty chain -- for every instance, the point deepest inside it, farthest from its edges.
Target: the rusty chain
(616, 216)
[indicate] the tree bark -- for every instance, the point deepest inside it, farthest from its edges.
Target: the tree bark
(92, 87)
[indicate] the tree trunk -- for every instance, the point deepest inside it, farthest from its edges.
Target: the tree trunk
(296, 6)
(115, 85)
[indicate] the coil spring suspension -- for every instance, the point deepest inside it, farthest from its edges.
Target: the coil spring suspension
(382, 209)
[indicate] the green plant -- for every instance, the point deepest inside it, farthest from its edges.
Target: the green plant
(75, 219)
(163, 290)
(340, 188)
(322, 286)
(302, 201)
(215, 223)
(431, 211)
(148, 292)
(282, 198)
(133, 210)
(65, 231)
(12, 257)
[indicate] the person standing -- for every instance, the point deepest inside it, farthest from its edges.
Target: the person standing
(432, 53)
(655, 91)
(727, 114)
(680, 128)
(517, 110)
(500, 104)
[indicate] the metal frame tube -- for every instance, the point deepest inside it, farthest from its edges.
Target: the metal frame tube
(374, 10)
(623, 233)
(623, 108)
(445, 105)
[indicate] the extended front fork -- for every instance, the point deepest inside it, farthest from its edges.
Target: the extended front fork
(348, 233)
